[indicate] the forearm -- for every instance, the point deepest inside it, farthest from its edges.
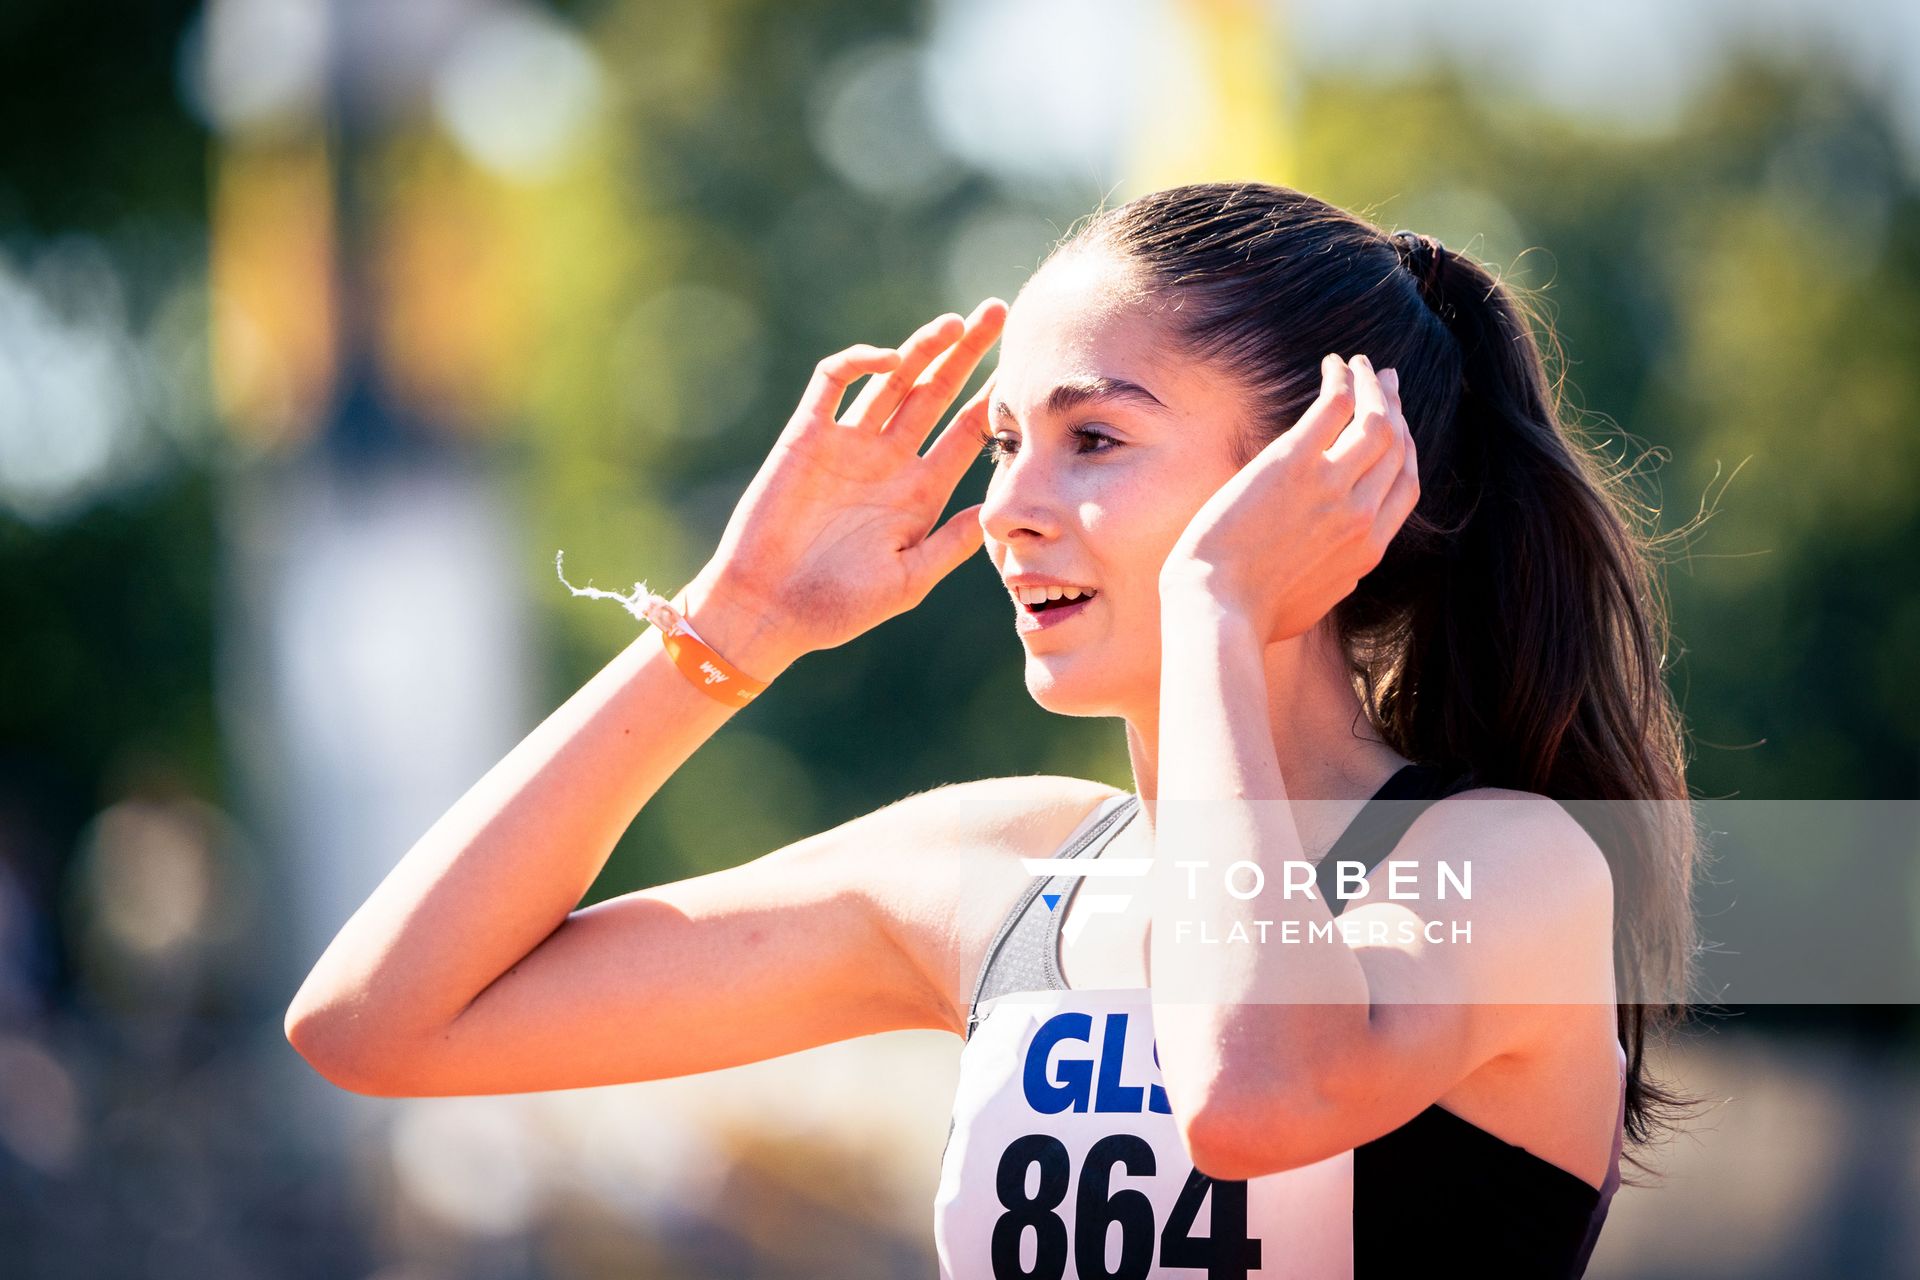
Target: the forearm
(502, 869)
(1228, 992)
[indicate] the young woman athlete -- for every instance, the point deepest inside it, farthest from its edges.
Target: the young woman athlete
(1334, 550)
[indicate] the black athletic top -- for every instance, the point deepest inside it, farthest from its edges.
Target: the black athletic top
(1438, 1190)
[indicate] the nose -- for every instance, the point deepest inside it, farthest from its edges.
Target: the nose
(1022, 501)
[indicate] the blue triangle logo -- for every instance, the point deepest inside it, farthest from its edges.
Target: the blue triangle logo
(1051, 899)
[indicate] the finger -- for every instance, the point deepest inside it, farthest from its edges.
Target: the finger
(1371, 488)
(879, 398)
(835, 373)
(944, 550)
(929, 397)
(1371, 431)
(958, 443)
(1321, 424)
(1401, 499)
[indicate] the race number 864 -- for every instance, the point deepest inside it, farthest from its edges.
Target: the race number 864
(1226, 1253)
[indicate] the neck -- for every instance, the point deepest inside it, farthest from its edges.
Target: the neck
(1325, 747)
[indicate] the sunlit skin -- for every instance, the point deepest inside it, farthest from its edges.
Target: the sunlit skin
(1214, 584)
(472, 969)
(1105, 512)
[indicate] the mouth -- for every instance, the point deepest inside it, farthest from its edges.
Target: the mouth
(1041, 607)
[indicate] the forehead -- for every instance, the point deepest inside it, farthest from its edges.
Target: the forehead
(1085, 321)
(1081, 316)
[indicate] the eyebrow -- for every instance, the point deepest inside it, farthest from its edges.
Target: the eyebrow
(1076, 392)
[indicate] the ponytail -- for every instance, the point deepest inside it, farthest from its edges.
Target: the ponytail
(1533, 657)
(1515, 631)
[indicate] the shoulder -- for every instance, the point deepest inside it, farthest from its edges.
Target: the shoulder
(996, 810)
(965, 839)
(940, 867)
(1503, 915)
(1538, 895)
(983, 814)
(1525, 839)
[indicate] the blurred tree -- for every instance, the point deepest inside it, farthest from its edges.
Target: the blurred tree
(1739, 296)
(1738, 292)
(748, 186)
(106, 611)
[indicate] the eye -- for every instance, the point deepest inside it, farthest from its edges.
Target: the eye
(1085, 433)
(996, 448)
(992, 446)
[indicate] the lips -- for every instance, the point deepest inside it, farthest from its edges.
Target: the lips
(1039, 599)
(1035, 592)
(1057, 613)
(1045, 600)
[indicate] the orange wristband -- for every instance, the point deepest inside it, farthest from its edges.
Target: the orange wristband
(711, 673)
(704, 668)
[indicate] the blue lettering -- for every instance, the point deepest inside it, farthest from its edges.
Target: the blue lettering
(1069, 1083)
(1050, 1097)
(1114, 1096)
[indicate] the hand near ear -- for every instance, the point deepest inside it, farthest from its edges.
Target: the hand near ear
(840, 529)
(1291, 534)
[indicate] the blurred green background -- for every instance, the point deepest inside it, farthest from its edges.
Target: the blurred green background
(322, 327)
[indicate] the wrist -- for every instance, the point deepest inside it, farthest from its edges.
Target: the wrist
(1197, 596)
(736, 626)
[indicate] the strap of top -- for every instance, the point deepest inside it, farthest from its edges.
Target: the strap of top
(1378, 828)
(1022, 957)
(1023, 954)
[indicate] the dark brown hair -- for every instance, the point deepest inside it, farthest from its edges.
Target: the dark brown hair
(1515, 630)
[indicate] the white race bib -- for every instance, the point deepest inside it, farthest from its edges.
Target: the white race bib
(1064, 1162)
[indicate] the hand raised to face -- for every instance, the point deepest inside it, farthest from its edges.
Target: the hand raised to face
(1292, 533)
(836, 534)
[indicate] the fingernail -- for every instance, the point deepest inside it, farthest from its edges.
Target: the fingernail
(1361, 362)
(1391, 377)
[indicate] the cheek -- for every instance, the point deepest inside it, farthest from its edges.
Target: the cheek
(1136, 528)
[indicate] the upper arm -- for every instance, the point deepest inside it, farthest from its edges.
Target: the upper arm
(843, 934)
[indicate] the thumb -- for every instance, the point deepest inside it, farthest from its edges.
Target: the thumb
(945, 549)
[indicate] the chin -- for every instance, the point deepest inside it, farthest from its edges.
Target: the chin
(1066, 686)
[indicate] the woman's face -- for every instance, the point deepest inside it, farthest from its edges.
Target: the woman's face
(1108, 442)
